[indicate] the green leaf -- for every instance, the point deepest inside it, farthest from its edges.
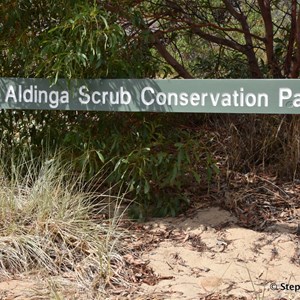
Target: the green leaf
(196, 176)
(117, 164)
(173, 211)
(146, 187)
(209, 174)
(174, 174)
(179, 145)
(131, 185)
(179, 158)
(105, 22)
(216, 169)
(100, 156)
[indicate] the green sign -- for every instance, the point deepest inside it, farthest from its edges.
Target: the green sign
(146, 95)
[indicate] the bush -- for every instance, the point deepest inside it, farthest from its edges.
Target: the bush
(152, 156)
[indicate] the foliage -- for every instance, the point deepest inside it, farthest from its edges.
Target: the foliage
(143, 154)
(152, 156)
(144, 39)
(214, 63)
(150, 160)
(263, 33)
(68, 39)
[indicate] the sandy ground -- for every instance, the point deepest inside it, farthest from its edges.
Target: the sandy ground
(205, 255)
(217, 258)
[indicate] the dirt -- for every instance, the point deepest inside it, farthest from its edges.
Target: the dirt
(203, 255)
(216, 257)
(36, 286)
(20, 289)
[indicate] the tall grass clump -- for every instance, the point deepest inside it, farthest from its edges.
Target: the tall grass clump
(46, 225)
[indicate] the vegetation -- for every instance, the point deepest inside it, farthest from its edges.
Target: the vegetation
(93, 39)
(47, 225)
(152, 158)
(97, 39)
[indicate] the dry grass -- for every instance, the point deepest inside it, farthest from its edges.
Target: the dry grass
(46, 227)
(266, 143)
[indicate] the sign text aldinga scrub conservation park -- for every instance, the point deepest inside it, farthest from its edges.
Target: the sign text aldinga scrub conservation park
(146, 95)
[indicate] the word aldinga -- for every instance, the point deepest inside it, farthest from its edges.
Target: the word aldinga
(148, 96)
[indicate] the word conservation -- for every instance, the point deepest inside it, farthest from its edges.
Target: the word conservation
(227, 96)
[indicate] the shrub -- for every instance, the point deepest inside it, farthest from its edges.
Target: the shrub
(153, 156)
(153, 160)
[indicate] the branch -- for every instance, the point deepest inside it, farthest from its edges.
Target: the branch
(218, 40)
(180, 69)
(290, 48)
(296, 66)
(241, 18)
(178, 21)
(265, 9)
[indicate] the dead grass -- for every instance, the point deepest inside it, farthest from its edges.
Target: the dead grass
(46, 228)
(268, 143)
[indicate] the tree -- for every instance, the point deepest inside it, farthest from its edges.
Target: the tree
(67, 39)
(150, 38)
(265, 33)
